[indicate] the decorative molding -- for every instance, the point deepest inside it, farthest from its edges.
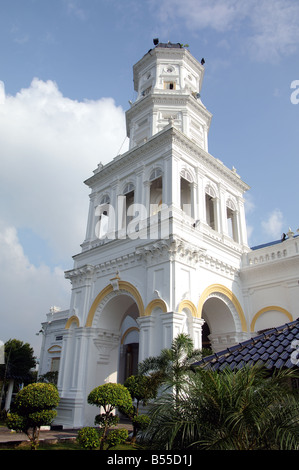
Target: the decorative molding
(81, 275)
(105, 342)
(132, 328)
(212, 290)
(156, 303)
(268, 309)
(187, 304)
(71, 320)
(172, 249)
(55, 349)
(123, 286)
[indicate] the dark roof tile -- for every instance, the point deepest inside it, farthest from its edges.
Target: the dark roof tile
(273, 348)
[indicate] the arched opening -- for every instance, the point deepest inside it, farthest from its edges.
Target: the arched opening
(186, 190)
(116, 338)
(219, 330)
(156, 189)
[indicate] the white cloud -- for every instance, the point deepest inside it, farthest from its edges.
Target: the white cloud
(49, 145)
(269, 29)
(273, 225)
(275, 30)
(27, 291)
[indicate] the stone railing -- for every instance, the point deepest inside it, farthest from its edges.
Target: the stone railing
(285, 248)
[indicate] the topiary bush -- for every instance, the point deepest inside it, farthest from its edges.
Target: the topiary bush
(141, 422)
(116, 437)
(89, 438)
(109, 396)
(34, 407)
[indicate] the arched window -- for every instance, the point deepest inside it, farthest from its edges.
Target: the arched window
(210, 200)
(129, 194)
(232, 221)
(102, 211)
(156, 187)
(186, 182)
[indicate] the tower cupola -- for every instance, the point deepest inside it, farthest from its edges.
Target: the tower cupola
(168, 81)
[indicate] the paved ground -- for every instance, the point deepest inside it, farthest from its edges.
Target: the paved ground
(7, 437)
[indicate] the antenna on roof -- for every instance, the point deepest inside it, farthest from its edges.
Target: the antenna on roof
(156, 41)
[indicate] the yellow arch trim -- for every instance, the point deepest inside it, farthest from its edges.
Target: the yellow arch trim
(267, 309)
(54, 349)
(133, 328)
(72, 319)
(156, 303)
(188, 305)
(123, 285)
(228, 293)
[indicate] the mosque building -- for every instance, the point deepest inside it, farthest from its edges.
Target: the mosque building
(166, 247)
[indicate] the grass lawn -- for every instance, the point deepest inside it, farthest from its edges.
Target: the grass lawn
(69, 444)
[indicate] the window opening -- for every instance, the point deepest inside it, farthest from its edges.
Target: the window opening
(129, 200)
(169, 85)
(102, 211)
(156, 187)
(232, 223)
(186, 199)
(210, 211)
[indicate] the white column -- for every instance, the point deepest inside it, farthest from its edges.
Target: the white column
(195, 326)
(146, 330)
(172, 324)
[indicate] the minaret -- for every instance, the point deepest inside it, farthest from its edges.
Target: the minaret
(168, 83)
(164, 242)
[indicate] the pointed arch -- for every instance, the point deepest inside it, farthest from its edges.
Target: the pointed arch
(268, 309)
(122, 286)
(226, 292)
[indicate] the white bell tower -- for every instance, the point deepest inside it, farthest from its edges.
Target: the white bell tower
(164, 243)
(168, 83)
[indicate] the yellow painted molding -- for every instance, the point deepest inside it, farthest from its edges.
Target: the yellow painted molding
(123, 285)
(268, 309)
(132, 328)
(228, 293)
(190, 306)
(156, 303)
(72, 319)
(54, 349)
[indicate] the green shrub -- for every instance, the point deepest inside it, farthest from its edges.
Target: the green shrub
(116, 437)
(89, 438)
(141, 422)
(33, 408)
(109, 396)
(109, 420)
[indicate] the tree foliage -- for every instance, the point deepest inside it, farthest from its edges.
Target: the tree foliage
(34, 406)
(19, 360)
(229, 410)
(109, 396)
(173, 365)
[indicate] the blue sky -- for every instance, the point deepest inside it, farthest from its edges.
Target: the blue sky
(66, 78)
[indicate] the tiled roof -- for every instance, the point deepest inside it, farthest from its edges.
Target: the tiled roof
(274, 348)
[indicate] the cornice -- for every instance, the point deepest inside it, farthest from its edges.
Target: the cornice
(168, 54)
(163, 138)
(174, 98)
(212, 163)
(169, 136)
(171, 249)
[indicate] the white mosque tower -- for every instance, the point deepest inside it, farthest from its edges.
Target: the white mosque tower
(166, 246)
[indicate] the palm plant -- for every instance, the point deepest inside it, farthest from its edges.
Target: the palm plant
(231, 410)
(172, 365)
